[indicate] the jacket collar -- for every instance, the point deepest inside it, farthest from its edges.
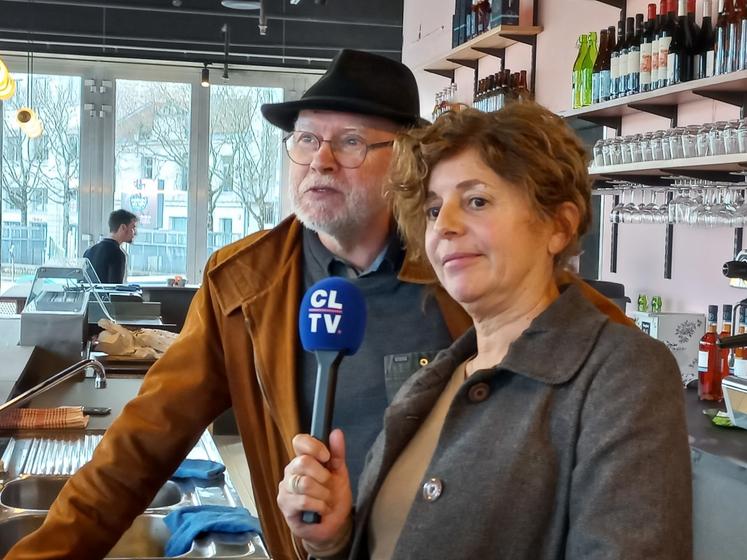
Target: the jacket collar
(242, 273)
(570, 325)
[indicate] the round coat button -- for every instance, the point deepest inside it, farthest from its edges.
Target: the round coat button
(432, 489)
(423, 362)
(478, 392)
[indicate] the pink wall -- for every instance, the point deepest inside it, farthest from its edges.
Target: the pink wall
(698, 253)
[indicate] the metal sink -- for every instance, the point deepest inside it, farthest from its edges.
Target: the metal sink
(38, 493)
(146, 538)
(14, 529)
(35, 466)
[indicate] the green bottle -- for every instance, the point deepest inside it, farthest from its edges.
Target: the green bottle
(577, 73)
(587, 70)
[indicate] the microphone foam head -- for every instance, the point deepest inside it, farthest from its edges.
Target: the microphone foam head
(332, 316)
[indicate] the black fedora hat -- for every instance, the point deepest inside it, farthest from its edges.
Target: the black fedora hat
(356, 82)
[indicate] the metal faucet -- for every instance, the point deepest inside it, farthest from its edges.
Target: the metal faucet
(56, 379)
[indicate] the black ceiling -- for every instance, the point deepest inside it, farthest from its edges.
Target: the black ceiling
(298, 36)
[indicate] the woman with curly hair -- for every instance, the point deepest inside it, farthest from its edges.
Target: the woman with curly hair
(546, 431)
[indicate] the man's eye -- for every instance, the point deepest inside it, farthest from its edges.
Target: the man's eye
(351, 141)
(305, 138)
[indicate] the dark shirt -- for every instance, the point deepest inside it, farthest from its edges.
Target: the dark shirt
(403, 328)
(108, 261)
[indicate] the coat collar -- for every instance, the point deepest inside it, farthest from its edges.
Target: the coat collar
(246, 269)
(571, 325)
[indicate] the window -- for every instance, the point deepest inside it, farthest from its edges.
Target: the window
(40, 177)
(245, 150)
(178, 224)
(147, 167)
(227, 173)
(152, 142)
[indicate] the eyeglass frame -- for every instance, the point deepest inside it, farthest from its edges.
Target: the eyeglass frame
(372, 146)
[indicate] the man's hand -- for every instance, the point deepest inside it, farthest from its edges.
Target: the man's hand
(317, 480)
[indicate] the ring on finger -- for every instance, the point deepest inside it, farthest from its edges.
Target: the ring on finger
(293, 483)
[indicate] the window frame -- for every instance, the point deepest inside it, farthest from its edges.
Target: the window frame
(97, 135)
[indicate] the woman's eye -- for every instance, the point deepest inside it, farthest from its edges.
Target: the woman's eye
(431, 213)
(305, 138)
(477, 202)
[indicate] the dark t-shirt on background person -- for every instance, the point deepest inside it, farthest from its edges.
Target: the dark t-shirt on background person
(108, 260)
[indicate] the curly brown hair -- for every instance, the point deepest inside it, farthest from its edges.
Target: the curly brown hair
(523, 143)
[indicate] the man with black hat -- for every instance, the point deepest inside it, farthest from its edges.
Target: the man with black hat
(239, 346)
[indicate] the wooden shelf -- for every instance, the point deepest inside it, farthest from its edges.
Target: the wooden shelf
(728, 88)
(717, 168)
(490, 42)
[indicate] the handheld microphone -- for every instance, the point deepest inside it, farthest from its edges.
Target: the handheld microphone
(331, 322)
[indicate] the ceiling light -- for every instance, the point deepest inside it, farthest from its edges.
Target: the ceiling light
(241, 4)
(205, 78)
(7, 83)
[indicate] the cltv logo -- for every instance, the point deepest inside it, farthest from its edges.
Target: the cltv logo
(324, 306)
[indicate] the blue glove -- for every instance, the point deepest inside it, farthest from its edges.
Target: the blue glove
(198, 468)
(187, 523)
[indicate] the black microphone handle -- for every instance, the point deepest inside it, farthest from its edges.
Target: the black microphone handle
(324, 401)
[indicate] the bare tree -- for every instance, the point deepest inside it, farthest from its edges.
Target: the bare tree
(22, 158)
(59, 112)
(257, 154)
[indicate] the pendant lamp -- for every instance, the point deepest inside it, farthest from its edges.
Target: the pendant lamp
(7, 83)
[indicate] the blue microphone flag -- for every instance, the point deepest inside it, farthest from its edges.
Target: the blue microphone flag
(332, 317)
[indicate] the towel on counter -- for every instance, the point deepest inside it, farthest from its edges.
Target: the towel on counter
(199, 468)
(187, 523)
(40, 418)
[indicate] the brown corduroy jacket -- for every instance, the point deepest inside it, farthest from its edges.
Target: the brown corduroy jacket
(238, 348)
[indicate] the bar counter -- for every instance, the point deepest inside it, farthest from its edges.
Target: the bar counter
(719, 463)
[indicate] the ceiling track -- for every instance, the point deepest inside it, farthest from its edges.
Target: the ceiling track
(210, 13)
(39, 37)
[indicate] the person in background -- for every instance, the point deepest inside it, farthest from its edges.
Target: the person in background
(107, 257)
(239, 346)
(546, 431)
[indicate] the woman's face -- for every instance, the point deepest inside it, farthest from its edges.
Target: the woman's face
(489, 248)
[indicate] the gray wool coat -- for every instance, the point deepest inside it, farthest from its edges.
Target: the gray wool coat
(574, 447)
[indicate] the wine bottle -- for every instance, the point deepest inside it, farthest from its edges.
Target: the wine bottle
(724, 366)
(706, 45)
(646, 45)
(682, 49)
(666, 36)
(722, 36)
(522, 88)
(587, 69)
(742, 58)
(634, 57)
(606, 74)
(596, 79)
(577, 71)
(625, 56)
(615, 57)
(655, 45)
(740, 353)
(694, 27)
(735, 24)
(708, 360)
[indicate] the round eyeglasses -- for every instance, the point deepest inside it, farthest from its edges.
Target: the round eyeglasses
(349, 149)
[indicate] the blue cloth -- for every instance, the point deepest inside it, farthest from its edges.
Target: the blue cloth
(187, 523)
(199, 468)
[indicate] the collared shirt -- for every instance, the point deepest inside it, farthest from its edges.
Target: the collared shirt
(404, 330)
